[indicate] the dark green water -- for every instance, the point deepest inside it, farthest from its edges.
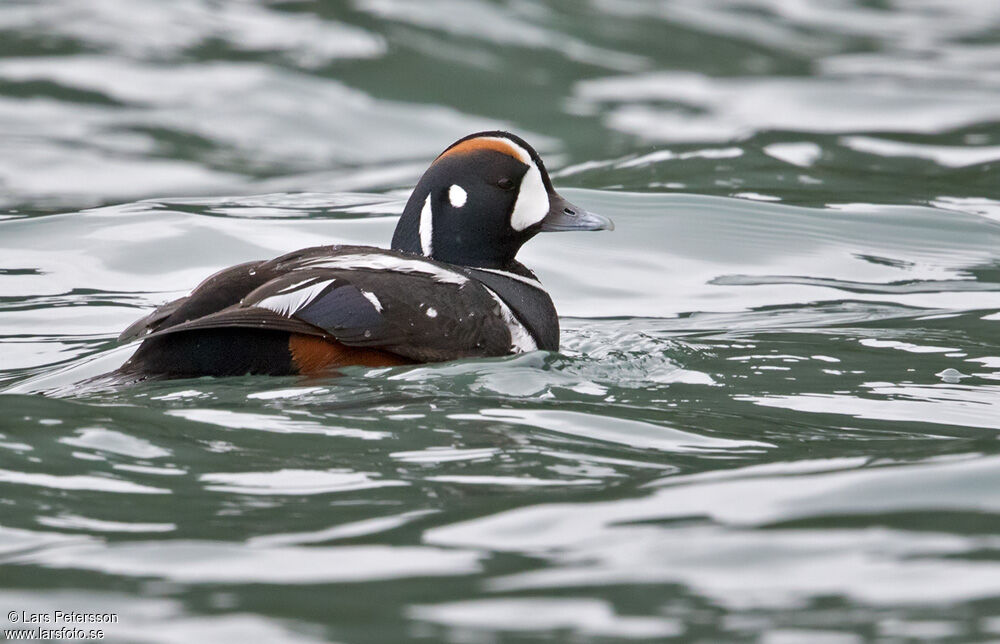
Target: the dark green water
(775, 414)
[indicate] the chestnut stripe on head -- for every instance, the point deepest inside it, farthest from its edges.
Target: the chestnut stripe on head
(495, 143)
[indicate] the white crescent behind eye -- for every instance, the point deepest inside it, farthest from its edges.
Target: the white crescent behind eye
(532, 200)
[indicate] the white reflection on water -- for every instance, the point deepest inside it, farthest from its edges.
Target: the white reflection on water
(158, 31)
(272, 119)
(543, 461)
(104, 440)
(700, 531)
(614, 429)
(351, 530)
(539, 29)
(209, 562)
(949, 156)
(163, 620)
(701, 108)
(78, 482)
(87, 524)
(294, 482)
(582, 617)
(281, 424)
(943, 404)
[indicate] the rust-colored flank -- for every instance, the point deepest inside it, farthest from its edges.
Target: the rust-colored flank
(313, 355)
(481, 143)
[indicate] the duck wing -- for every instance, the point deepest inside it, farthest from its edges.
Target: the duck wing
(218, 291)
(368, 297)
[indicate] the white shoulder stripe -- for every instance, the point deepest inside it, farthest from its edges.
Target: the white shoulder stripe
(375, 261)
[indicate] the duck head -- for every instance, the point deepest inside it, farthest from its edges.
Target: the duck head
(481, 199)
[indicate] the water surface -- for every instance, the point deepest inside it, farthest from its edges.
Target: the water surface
(774, 415)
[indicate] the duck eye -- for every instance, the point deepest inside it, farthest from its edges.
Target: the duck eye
(505, 183)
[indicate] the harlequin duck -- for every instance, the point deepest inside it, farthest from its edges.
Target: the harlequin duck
(449, 288)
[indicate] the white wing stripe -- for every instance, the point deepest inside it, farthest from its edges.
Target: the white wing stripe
(296, 286)
(371, 297)
(288, 302)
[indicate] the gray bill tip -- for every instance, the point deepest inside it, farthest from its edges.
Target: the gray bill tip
(564, 216)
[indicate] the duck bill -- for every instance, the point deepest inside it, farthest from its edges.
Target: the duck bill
(564, 216)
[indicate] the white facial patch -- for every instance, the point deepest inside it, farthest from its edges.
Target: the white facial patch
(532, 200)
(426, 228)
(457, 196)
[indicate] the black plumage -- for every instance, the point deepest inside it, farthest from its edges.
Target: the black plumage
(466, 297)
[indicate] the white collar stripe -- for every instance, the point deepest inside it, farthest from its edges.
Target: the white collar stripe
(521, 340)
(427, 228)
